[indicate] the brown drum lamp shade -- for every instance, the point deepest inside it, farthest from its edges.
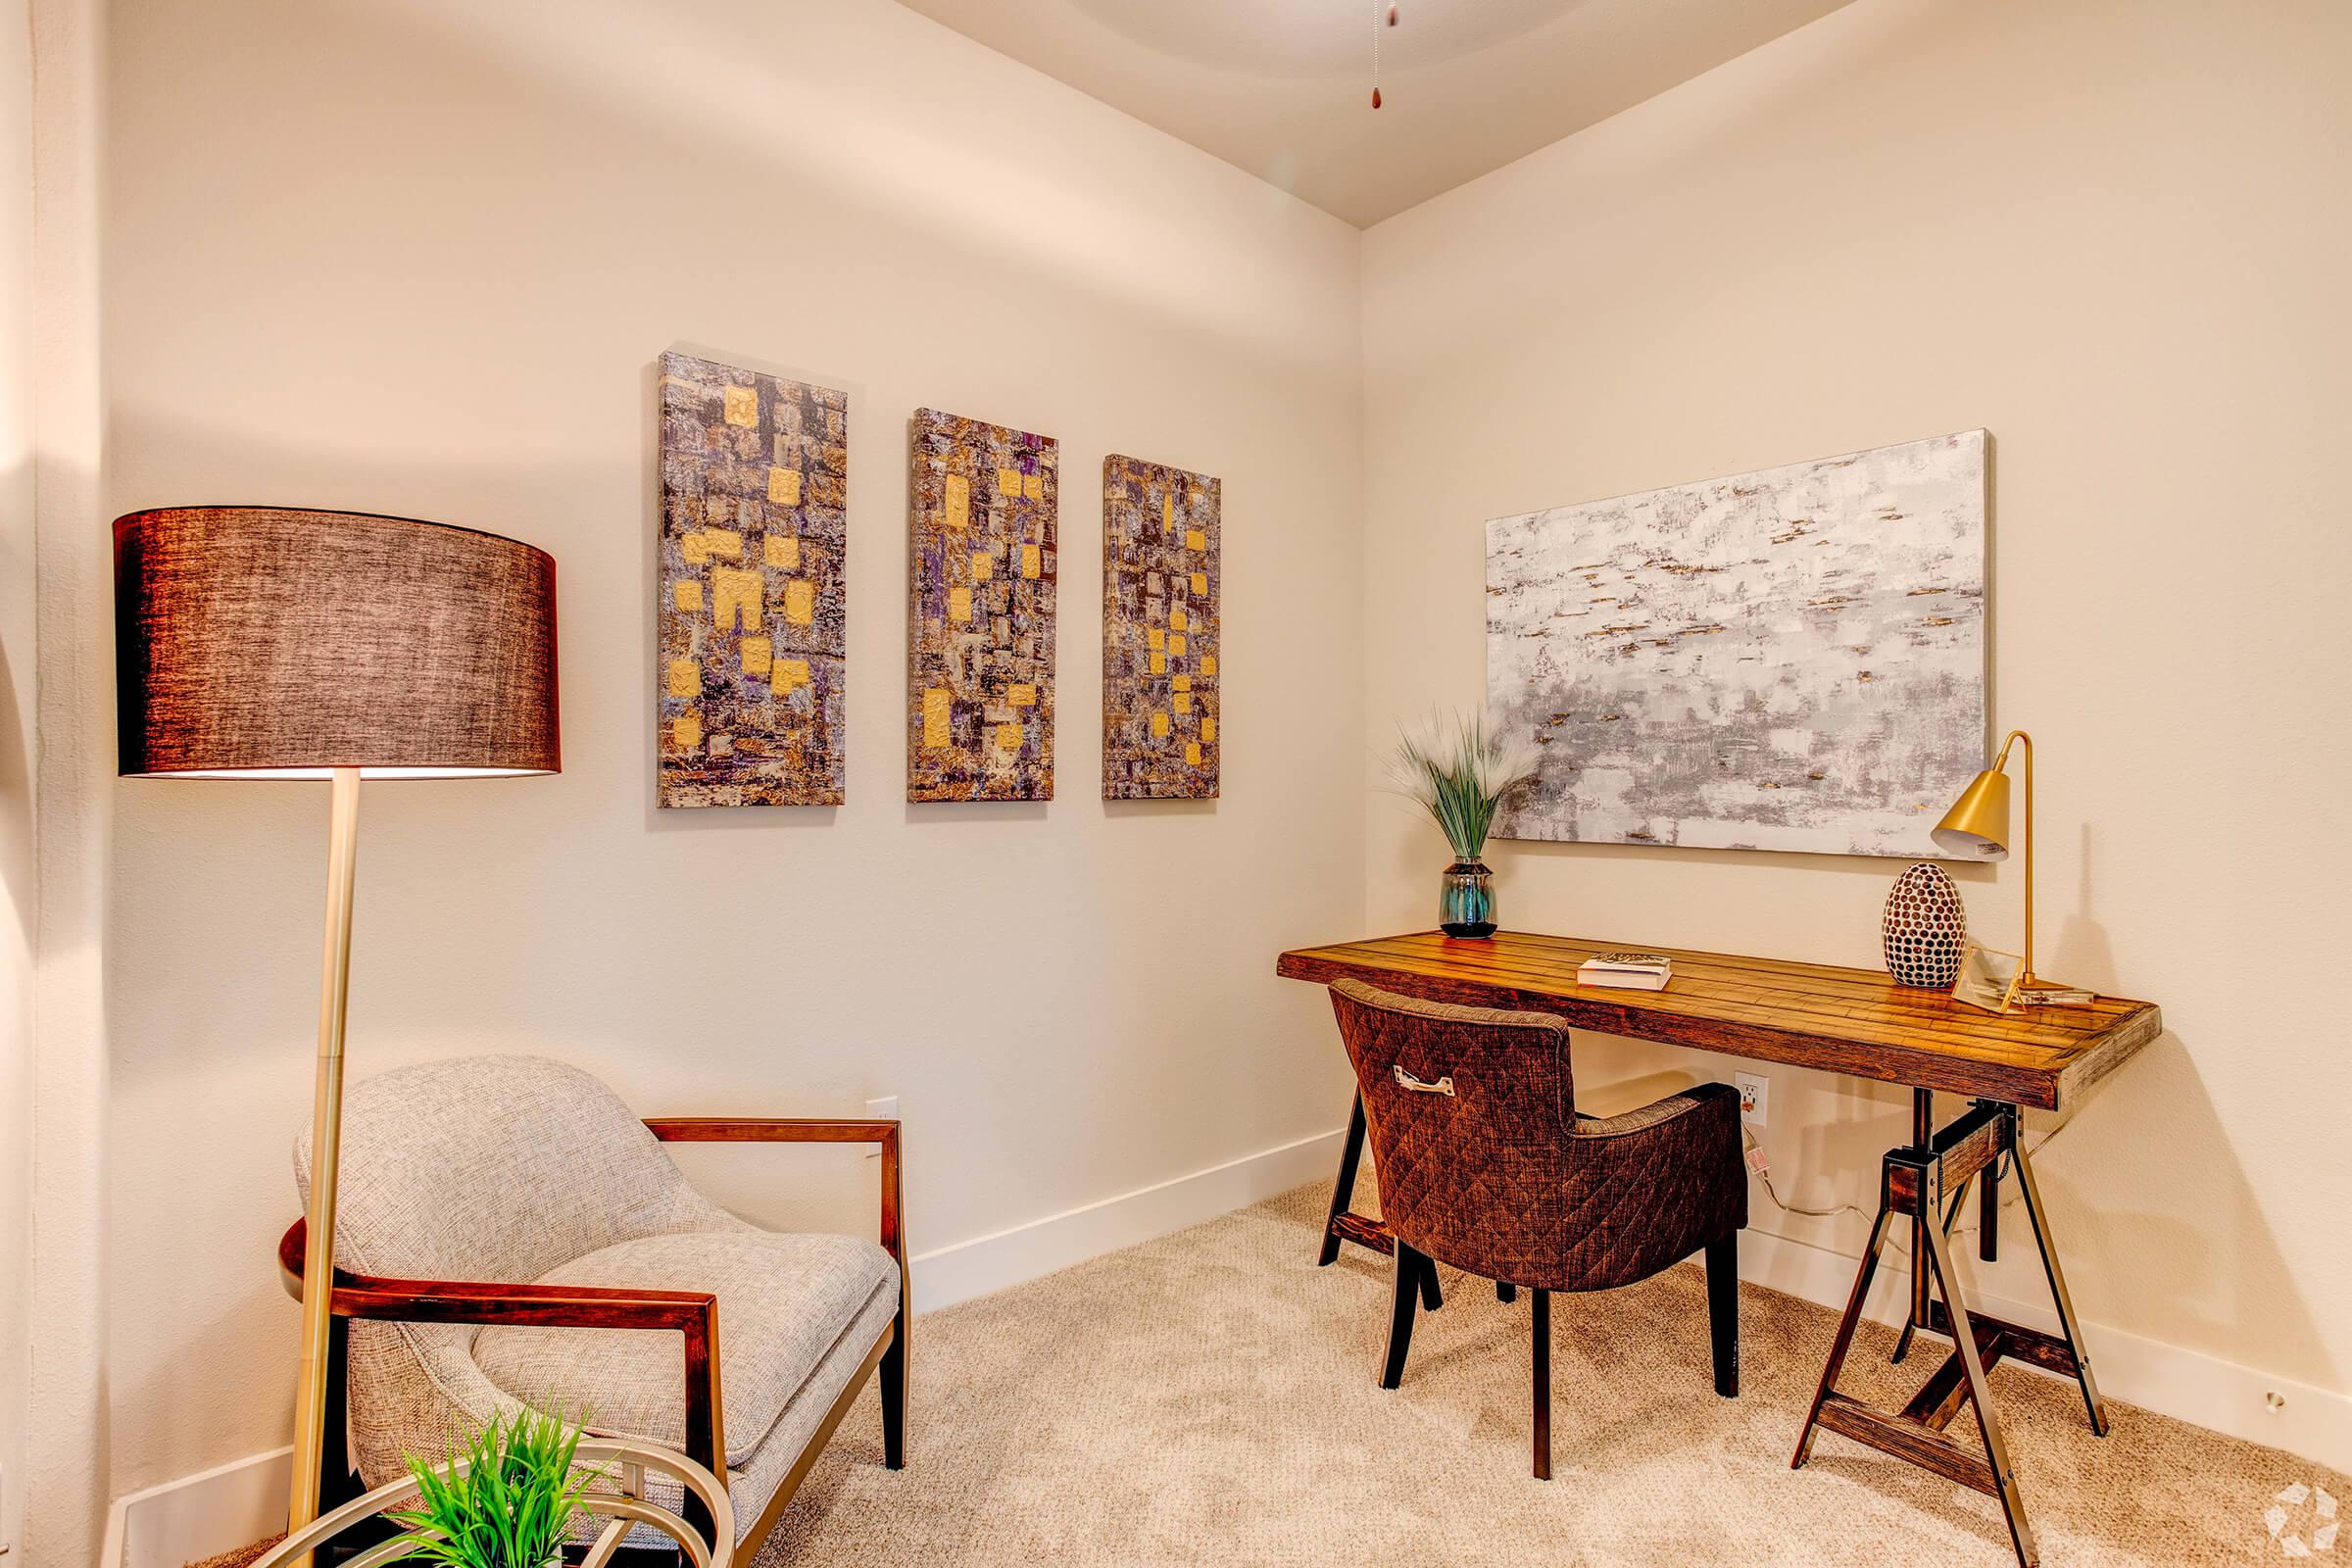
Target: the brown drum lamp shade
(257, 642)
(274, 643)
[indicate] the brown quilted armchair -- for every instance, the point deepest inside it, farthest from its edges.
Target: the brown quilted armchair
(1483, 1165)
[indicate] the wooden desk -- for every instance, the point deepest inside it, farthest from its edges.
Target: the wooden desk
(1853, 1021)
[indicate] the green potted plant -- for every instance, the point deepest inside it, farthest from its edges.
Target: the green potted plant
(508, 1501)
(1462, 775)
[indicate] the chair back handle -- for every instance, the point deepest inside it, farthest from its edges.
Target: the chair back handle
(1405, 1080)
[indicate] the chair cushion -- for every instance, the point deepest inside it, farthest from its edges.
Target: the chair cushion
(784, 1301)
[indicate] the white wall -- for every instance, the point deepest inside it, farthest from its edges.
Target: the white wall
(2115, 237)
(419, 258)
(19, 904)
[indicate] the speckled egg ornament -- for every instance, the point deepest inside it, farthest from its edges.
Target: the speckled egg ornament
(1924, 929)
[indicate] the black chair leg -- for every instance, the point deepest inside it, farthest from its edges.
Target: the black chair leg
(1542, 1316)
(1430, 1295)
(1505, 1294)
(1409, 1267)
(1723, 1311)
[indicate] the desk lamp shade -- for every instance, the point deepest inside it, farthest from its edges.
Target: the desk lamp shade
(1977, 828)
(268, 642)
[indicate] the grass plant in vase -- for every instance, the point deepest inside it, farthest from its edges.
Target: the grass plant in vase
(508, 1501)
(1462, 775)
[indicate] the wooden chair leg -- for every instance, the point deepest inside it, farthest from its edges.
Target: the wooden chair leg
(1542, 1317)
(1505, 1294)
(1431, 1296)
(1408, 1268)
(892, 1371)
(1723, 1311)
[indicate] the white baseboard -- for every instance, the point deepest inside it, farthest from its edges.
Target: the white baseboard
(1007, 1257)
(2308, 1421)
(181, 1521)
(200, 1516)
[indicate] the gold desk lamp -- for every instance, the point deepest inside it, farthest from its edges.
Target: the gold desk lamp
(272, 643)
(1977, 828)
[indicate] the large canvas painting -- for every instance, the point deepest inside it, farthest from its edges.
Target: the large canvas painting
(1160, 590)
(1790, 659)
(980, 621)
(755, 498)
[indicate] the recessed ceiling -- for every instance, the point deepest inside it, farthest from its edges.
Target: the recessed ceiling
(1283, 89)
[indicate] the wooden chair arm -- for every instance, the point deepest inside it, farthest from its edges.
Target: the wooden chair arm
(691, 1313)
(803, 1130)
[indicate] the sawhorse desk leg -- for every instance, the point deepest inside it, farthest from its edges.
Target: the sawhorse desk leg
(1914, 1182)
(1344, 1225)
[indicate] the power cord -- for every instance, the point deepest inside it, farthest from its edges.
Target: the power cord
(2006, 1166)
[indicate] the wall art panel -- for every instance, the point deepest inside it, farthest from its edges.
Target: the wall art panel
(1788, 660)
(983, 541)
(1160, 647)
(754, 521)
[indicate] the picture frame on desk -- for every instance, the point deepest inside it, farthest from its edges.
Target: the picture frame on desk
(1989, 977)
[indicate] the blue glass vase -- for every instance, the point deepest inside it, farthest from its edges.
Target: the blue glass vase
(1466, 900)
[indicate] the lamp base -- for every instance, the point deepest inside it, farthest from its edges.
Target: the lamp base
(2033, 991)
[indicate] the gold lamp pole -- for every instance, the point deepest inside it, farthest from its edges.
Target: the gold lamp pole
(274, 643)
(1977, 828)
(327, 1122)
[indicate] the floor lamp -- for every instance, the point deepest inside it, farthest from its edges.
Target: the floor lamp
(270, 643)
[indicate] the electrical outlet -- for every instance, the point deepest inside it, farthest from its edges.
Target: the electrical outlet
(883, 1108)
(1753, 1088)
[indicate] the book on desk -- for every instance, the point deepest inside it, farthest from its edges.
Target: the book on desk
(1626, 972)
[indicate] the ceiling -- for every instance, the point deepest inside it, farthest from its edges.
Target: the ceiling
(1283, 89)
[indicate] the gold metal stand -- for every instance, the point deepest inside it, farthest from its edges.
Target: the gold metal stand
(326, 1125)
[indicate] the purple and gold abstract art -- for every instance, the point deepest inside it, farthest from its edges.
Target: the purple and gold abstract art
(1160, 588)
(754, 496)
(983, 539)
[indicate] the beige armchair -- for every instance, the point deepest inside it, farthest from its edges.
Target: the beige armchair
(509, 1232)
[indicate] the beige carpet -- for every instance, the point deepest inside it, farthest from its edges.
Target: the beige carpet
(1211, 1398)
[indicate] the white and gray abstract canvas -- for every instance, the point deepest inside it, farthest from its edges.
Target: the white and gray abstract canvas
(1788, 659)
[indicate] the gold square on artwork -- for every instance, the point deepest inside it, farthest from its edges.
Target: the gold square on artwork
(685, 678)
(1167, 511)
(1154, 637)
(1009, 737)
(756, 653)
(1182, 701)
(1177, 645)
(983, 563)
(1021, 694)
(1180, 683)
(783, 552)
(686, 731)
(935, 718)
(1160, 664)
(800, 601)
(1200, 582)
(787, 675)
(687, 595)
(958, 510)
(1032, 562)
(1034, 486)
(743, 405)
(959, 604)
(1195, 539)
(1192, 752)
(1176, 621)
(1159, 726)
(1208, 729)
(1008, 481)
(784, 486)
(1208, 667)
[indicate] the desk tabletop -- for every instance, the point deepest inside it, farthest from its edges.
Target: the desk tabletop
(1853, 1021)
